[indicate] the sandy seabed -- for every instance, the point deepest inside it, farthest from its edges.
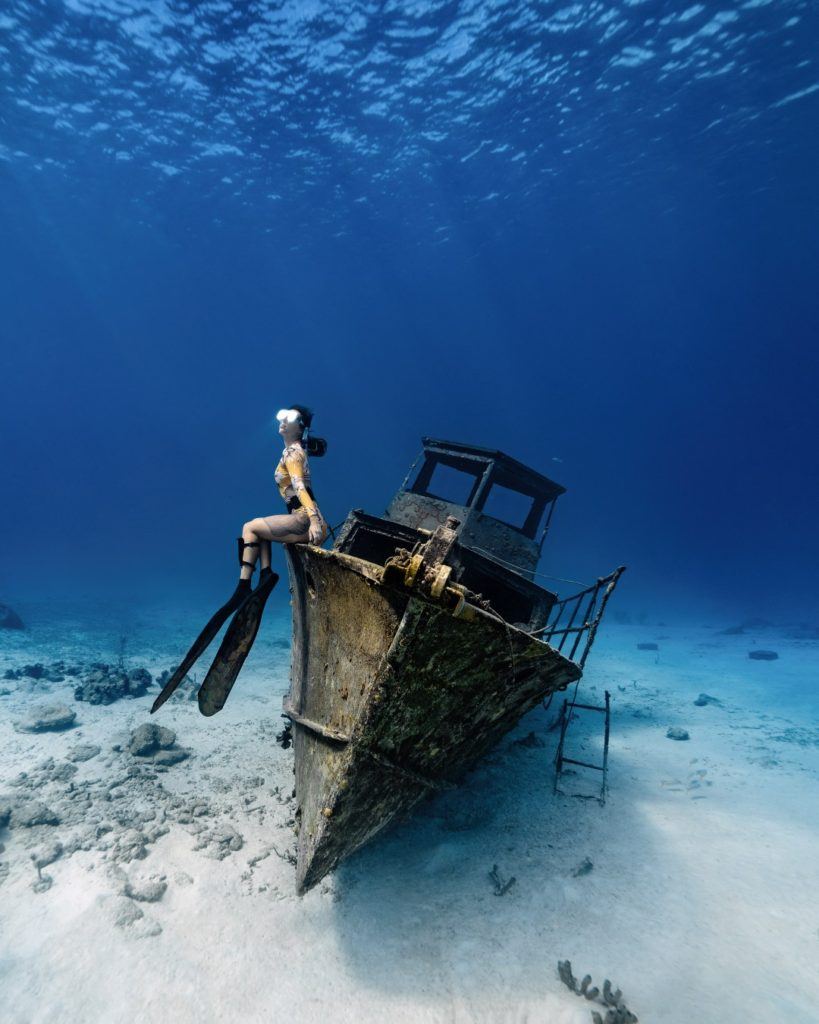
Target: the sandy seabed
(166, 892)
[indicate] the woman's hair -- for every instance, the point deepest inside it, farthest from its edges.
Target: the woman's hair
(305, 414)
(314, 445)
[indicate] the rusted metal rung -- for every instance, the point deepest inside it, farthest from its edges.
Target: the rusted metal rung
(321, 730)
(583, 764)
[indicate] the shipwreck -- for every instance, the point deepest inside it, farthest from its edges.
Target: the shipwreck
(421, 638)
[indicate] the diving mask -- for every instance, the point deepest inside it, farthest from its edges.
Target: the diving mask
(288, 415)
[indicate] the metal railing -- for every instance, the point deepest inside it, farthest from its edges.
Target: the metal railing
(581, 614)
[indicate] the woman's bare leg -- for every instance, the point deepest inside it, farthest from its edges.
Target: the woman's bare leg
(265, 555)
(251, 551)
(287, 529)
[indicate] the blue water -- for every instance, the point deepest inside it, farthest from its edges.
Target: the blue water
(585, 234)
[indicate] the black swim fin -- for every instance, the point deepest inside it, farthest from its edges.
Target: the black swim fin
(234, 648)
(217, 620)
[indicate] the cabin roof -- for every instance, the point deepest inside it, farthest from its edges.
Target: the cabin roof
(519, 475)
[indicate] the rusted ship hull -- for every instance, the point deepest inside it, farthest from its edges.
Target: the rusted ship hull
(392, 697)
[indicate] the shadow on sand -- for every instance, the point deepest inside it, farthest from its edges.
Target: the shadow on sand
(418, 912)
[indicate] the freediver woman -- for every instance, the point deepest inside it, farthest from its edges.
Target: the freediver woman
(302, 524)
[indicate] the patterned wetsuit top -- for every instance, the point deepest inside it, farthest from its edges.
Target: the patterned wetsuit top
(292, 477)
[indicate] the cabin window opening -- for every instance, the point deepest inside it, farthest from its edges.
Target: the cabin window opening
(510, 507)
(457, 486)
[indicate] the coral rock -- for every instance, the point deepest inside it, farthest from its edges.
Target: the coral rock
(83, 752)
(126, 913)
(9, 619)
(46, 718)
(150, 891)
(47, 854)
(147, 738)
(219, 842)
(103, 684)
(130, 846)
(33, 813)
(169, 757)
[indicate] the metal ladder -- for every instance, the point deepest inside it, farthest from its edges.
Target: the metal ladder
(560, 759)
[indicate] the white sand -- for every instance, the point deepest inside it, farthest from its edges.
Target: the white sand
(702, 904)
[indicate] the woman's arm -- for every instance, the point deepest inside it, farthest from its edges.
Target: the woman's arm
(294, 464)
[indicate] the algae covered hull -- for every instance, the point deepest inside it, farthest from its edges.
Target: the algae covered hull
(393, 695)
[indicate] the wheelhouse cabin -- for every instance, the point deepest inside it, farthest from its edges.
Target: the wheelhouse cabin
(503, 511)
